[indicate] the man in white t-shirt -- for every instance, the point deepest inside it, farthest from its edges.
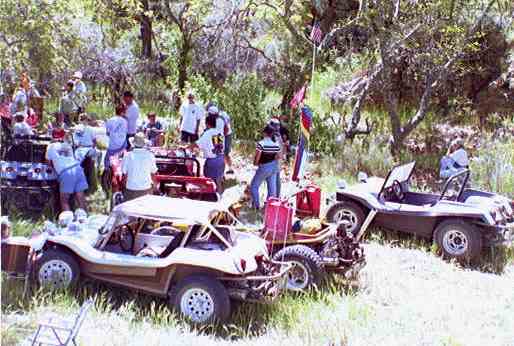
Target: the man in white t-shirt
(190, 114)
(20, 127)
(211, 143)
(70, 174)
(116, 128)
(79, 91)
(138, 167)
(84, 136)
(131, 114)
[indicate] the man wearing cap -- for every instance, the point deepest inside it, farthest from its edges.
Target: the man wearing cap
(131, 114)
(190, 114)
(80, 91)
(68, 105)
(70, 174)
(138, 168)
(211, 143)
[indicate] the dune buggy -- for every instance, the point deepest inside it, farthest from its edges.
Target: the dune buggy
(178, 175)
(28, 184)
(137, 246)
(313, 247)
(460, 220)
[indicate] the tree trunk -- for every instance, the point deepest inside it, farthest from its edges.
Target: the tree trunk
(146, 32)
(182, 63)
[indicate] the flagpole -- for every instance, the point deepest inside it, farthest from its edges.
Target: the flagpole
(313, 64)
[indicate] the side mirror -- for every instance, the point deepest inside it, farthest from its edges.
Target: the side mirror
(362, 177)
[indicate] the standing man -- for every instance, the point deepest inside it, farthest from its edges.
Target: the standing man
(138, 167)
(80, 91)
(131, 114)
(190, 116)
(116, 128)
(227, 131)
(68, 103)
(211, 143)
(20, 100)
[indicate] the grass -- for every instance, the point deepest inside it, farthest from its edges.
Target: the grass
(405, 297)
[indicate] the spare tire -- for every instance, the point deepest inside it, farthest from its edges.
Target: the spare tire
(307, 272)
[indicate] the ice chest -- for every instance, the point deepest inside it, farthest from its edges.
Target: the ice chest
(278, 217)
(308, 202)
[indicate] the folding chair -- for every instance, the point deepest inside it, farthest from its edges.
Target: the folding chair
(59, 332)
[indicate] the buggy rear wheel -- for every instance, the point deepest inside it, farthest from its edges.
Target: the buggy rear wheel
(459, 239)
(202, 299)
(56, 269)
(347, 211)
(307, 267)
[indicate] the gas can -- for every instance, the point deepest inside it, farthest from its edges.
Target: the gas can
(278, 218)
(308, 202)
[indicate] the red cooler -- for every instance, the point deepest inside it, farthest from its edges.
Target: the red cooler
(308, 202)
(278, 217)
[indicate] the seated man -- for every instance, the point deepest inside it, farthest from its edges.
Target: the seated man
(21, 128)
(69, 174)
(153, 130)
(455, 161)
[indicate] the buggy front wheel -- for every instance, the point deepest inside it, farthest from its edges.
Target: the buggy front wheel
(56, 269)
(202, 299)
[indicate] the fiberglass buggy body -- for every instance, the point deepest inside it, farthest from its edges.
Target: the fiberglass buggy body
(460, 220)
(137, 246)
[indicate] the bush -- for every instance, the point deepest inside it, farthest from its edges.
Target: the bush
(493, 167)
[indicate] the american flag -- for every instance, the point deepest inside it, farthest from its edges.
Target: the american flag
(316, 34)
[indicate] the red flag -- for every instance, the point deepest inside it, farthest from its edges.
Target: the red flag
(298, 97)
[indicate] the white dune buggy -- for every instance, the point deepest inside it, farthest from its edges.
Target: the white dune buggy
(162, 246)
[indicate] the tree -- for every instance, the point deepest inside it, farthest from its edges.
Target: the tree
(427, 40)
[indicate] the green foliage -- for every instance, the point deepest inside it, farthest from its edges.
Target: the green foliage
(242, 98)
(35, 36)
(493, 168)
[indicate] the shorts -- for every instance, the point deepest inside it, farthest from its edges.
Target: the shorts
(188, 137)
(133, 194)
(72, 180)
(215, 169)
(228, 144)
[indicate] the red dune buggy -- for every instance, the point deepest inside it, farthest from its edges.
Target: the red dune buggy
(178, 175)
(294, 233)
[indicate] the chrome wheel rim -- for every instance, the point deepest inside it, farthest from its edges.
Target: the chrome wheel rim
(197, 305)
(55, 274)
(346, 215)
(455, 242)
(297, 277)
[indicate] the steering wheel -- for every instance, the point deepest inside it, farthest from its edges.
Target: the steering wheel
(398, 190)
(165, 230)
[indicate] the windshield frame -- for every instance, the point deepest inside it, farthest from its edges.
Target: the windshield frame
(390, 175)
